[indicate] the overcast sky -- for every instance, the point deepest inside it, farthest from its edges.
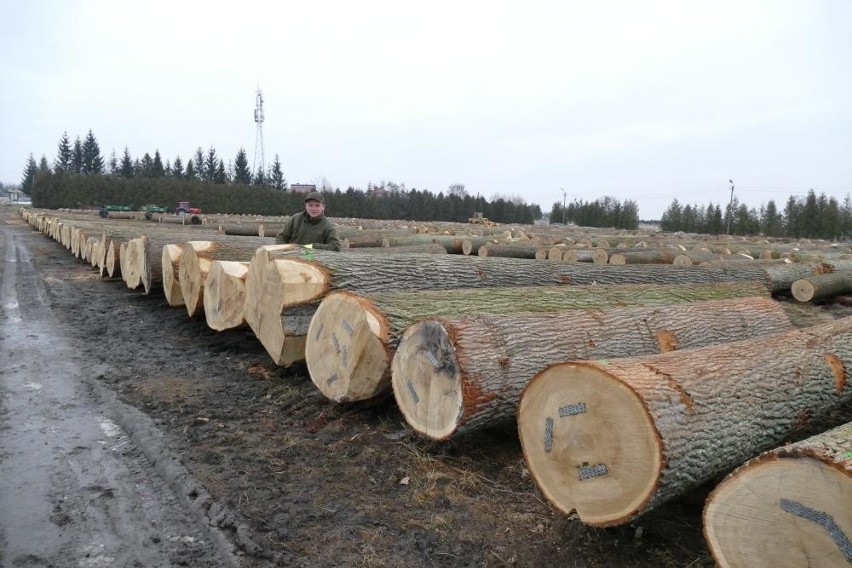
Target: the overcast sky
(636, 100)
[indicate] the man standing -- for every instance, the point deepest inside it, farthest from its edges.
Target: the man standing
(311, 226)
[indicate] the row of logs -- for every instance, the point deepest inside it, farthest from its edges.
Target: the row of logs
(630, 384)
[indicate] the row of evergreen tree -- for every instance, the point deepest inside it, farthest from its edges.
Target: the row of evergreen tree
(83, 157)
(603, 212)
(815, 217)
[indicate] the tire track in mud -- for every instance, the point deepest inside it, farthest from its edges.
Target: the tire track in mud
(77, 482)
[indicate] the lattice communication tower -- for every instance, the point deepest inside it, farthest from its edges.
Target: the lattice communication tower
(258, 142)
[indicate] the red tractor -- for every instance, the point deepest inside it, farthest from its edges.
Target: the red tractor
(183, 208)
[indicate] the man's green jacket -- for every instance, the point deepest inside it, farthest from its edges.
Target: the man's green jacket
(301, 229)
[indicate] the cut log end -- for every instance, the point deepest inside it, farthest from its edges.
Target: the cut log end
(171, 286)
(589, 443)
(224, 294)
(782, 513)
(346, 357)
(189, 276)
(426, 380)
(803, 290)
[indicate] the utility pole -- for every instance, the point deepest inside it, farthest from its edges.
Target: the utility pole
(731, 206)
(564, 200)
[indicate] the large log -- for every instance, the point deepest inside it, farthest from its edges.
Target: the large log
(506, 250)
(353, 337)
(282, 276)
(457, 374)
(822, 287)
(195, 262)
(789, 507)
(613, 439)
(225, 294)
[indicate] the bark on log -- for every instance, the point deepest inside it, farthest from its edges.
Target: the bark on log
(352, 338)
(453, 375)
(367, 241)
(225, 294)
(613, 439)
(789, 507)
(822, 287)
(241, 230)
(430, 248)
(644, 256)
(280, 277)
(195, 262)
(508, 250)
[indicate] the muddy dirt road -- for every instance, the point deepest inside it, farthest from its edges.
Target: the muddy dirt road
(131, 435)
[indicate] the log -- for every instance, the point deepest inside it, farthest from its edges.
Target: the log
(353, 337)
(823, 286)
(508, 250)
(280, 276)
(225, 294)
(458, 374)
(241, 230)
(170, 262)
(644, 256)
(195, 262)
(789, 507)
(430, 248)
(613, 439)
(367, 241)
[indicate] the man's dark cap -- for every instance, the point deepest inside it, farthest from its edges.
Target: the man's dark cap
(316, 196)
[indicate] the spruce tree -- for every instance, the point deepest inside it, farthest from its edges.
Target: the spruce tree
(221, 176)
(64, 155)
(29, 176)
(157, 169)
(190, 170)
(242, 173)
(93, 162)
(112, 165)
(77, 157)
(211, 163)
(177, 168)
(198, 162)
(126, 168)
(276, 175)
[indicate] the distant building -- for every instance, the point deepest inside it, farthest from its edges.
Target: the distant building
(302, 187)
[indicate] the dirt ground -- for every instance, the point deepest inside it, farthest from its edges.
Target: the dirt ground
(307, 482)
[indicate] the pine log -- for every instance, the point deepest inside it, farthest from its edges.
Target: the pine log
(454, 375)
(613, 439)
(225, 294)
(353, 338)
(789, 507)
(195, 262)
(823, 286)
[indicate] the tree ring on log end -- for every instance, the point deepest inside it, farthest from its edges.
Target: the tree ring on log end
(746, 522)
(426, 380)
(589, 442)
(345, 354)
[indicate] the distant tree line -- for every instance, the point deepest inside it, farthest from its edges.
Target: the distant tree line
(81, 178)
(603, 212)
(816, 217)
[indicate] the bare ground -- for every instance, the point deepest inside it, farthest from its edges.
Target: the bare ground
(299, 481)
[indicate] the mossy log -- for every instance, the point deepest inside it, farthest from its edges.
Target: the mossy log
(282, 276)
(612, 439)
(353, 337)
(789, 507)
(453, 375)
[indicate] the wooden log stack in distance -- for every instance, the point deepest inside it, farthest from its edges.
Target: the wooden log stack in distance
(452, 375)
(613, 439)
(353, 337)
(789, 507)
